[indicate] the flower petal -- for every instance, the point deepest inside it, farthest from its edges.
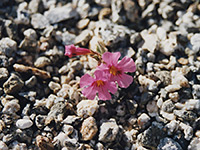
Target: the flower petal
(104, 94)
(69, 50)
(111, 58)
(102, 67)
(111, 86)
(127, 64)
(89, 92)
(124, 80)
(86, 80)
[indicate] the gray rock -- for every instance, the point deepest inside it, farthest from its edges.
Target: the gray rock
(168, 144)
(23, 15)
(13, 84)
(168, 106)
(57, 112)
(3, 146)
(11, 29)
(31, 82)
(131, 10)
(196, 91)
(108, 131)
(195, 40)
(194, 144)
(72, 119)
(59, 14)
(35, 6)
(7, 46)
(4, 62)
(30, 34)
(83, 38)
(117, 16)
(39, 21)
(42, 62)
(164, 77)
(24, 123)
(66, 38)
(150, 138)
(3, 74)
(132, 106)
(186, 115)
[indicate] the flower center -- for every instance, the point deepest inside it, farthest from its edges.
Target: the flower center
(114, 71)
(99, 83)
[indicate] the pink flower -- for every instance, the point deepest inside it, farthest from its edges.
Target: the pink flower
(116, 70)
(71, 50)
(99, 84)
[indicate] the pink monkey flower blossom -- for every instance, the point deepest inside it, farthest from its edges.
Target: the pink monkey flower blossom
(71, 50)
(99, 84)
(116, 70)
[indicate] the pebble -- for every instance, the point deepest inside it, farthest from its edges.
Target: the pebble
(188, 131)
(194, 144)
(39, 21)
(3, 146)
(183, 61)
(108, 131)
(83, 23)
(196, 91)
(132, 106)
(31, 82)
(148, 83)
(7, 46)
(13, 84)
(88, 129)
(55, 87)
(195, 42)
(58, 14)
(186, 115)
(179, 79)
(150, 137)
(3, 74)
(42, 62)
(4, 61)
(72, 119)
(83, 38)
(172, 127)
(168, 143)
(68, 129)
(24, 123)
(168, 106)
(143, 120)
(152, 108)
(86, 108)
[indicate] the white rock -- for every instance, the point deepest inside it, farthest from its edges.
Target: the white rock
(172, 127)
(143, 120)
(30, 34)
(87, 108)
(24, 123)
(3, 146)
(42, 61)
(179, 79)
(172, 88)
(188, 131)
(152, 108)
(150, 84)
(168, 116)
(161, 33)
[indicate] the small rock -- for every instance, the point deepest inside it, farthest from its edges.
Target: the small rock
(132, 106)
(185, 115)
(83, 23)
(168, 143)
(24, 123)
(68, 129)
(168, 116)
(168, 106)
(172, 127)
(148, 83)
(194, 144)
(42, 61)
(23, 16)
(131, 10)
(4, 61)
(143, 120)
(196, 91)
(183, 61)
(59, 14)
(83, 38)
(31, 82)
(87, 108)
(7, 46)
(30, 34)
(54, 86)
(108, 131)
(152, 108)
(72, 120)
(66, 37)
(39, 21)
(36, 6)
(88, 129)
(104, 3)
(3, 146)
(3, 74)
(150, 137)
(188, 131)
(13, 84)
(195, 42)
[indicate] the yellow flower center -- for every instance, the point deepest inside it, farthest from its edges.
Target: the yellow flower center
(114, 71)
(99, 83)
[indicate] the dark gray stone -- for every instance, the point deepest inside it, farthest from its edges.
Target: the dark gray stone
(168, 106)
(168, 144)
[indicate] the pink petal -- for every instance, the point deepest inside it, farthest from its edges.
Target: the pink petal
(69, 50)
(104, 94)
(111, 86)
(111, 58)
(98, 74)
(124, 80)
(89, 92)
(102, 67)
(86, 80)
(127, 64)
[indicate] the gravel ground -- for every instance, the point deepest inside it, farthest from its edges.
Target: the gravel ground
(42, 106)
